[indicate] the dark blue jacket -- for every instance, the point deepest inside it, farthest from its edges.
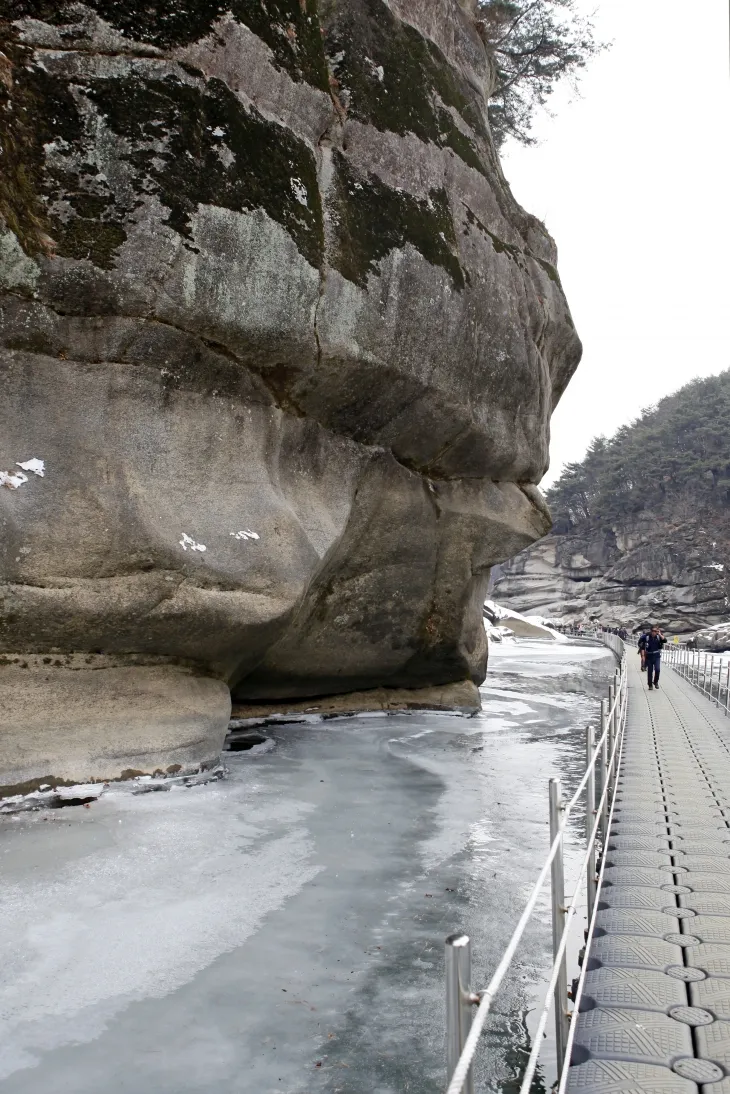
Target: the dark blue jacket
(654, 643)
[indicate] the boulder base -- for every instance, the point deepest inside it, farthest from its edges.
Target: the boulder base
(86, 718)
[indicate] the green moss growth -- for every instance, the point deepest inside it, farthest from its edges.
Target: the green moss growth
(91, 240)
(372, 219)
(266, 165)
(289, 27)
(500, 245)
(213, 152)
(30, 104)
(397, 80)
(549, 270)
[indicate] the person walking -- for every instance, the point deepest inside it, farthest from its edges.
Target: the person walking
(643, 639)
(652, 656)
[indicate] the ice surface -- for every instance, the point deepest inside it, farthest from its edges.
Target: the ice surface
(282, 930)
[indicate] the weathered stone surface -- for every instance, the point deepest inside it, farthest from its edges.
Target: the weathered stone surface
(86, 718)
(459, 698)
(262, 274)
(624, 575)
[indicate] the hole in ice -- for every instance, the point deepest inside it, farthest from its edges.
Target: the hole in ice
(241, 742)
(60, 802)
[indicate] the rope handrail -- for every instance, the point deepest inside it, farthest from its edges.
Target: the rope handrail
(589, 939)
(485, 997)
(537, 1041)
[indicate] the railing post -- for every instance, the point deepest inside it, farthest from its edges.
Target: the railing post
(727, 689)
(609, 736)
(704, 675)
(604, 769)
(558, 907)
(458, 1004)
(590, 821)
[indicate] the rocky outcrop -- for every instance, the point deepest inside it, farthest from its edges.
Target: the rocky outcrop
(645, 570)
(716, 639)
(279, 352)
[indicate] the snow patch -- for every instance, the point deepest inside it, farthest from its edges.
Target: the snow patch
(377, 70)
(522, 625)
(300, 191)
(38, 467)
(188, 541)
(245, 533)
(12, 479)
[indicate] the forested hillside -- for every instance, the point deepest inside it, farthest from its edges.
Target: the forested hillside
(642, 524)
(675, 457)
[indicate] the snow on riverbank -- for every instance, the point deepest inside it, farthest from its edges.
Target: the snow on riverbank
(500, 620)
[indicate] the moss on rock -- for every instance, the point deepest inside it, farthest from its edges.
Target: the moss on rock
(29, 104)
(396, 79)
(372, 219)
(289, 27)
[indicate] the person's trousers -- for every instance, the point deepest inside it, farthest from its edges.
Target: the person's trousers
(652, 668)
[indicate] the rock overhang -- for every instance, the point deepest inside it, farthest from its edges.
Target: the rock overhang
(274, 300)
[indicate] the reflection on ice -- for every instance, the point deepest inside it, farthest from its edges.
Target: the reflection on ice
(282, 929)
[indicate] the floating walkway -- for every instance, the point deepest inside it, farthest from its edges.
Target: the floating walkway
(655, 1007)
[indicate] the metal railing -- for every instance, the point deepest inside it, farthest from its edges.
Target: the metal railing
(700, 670)
(463, 1024)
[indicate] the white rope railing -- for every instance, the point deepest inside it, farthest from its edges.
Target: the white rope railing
(613, 719)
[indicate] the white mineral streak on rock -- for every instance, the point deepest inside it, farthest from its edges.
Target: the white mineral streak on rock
(188, 541)
(300, 191)
(38, 467)
(12, 479)
(245, 534)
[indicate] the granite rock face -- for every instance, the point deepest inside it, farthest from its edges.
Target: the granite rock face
(284, 350)
(645, 570)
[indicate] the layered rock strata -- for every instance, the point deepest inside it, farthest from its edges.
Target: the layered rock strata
(645, 570)
(279, 353)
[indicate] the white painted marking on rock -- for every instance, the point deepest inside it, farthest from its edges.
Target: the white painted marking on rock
(245, 533)
(188, 541)
(38, 467)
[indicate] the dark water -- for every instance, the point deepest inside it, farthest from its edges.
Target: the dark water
(282, 930)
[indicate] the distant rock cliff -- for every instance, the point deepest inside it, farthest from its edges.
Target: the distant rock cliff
(622, 576)
(287, 349)
(642, 525)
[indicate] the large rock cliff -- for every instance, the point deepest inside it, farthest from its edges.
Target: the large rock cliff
(284, 351)
(627, 575)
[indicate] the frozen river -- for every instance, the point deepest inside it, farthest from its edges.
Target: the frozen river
(282, 930)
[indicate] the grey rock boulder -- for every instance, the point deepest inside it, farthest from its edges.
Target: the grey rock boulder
(287, 349)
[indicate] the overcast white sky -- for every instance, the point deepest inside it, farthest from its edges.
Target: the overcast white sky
(633, 181)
